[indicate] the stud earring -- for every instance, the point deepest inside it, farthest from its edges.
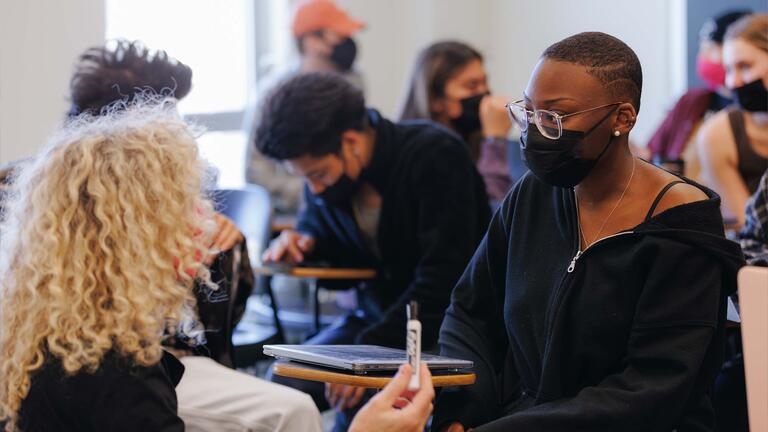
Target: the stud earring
(616, 133)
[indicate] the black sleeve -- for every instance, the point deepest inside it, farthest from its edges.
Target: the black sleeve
(676, 317)
(447, 199)
(144, 400)
(474, 330)
(312, 222)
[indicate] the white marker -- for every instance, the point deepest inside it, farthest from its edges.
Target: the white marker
(413, 344)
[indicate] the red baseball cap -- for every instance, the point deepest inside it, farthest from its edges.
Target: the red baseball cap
(313, 15)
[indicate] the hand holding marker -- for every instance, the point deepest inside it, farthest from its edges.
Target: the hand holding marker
(413, 343)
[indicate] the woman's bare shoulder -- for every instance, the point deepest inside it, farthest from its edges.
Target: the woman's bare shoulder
(679, 194)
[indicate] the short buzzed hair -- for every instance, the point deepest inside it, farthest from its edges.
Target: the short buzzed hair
(606, 58)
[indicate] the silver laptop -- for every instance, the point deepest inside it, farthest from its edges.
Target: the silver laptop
(358, 358)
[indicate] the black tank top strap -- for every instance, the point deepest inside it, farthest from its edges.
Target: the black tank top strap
(751, 165)
(738, 129)
(659, 197)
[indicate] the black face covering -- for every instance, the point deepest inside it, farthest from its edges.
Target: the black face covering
(343, 54)
(557, 162)
(469, 120)
(339, 192)
(752, 96)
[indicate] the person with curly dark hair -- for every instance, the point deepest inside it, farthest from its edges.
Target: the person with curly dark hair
(121, 69)
(212, 396)
(403, 198)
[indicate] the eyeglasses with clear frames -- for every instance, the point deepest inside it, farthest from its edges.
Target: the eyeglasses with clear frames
(549, 123)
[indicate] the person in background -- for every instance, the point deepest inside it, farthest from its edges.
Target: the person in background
(733, 147)
(670, 145)
(449, 85)
(210, 392)
(596, 300)
(754, 236)
(324, 39)
(323, 34)
(730, 388)
(404, 199)
(733, 144)
(97, 265)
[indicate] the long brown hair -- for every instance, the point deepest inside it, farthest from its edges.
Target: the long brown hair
(434, 66)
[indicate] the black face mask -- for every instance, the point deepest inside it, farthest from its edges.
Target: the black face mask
(752, 96)
(557, 162)
(340, 192)
(469, 120)
(343, 54)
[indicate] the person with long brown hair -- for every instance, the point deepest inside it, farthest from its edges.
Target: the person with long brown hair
(449, 85)
(733, 144)
(734, 151)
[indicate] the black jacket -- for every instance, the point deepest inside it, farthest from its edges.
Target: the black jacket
(630, 340)
(434, 212)
(118, 397)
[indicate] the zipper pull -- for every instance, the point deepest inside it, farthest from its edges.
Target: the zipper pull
(573, 262)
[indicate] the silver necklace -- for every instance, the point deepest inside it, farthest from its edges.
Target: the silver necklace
(600, 231)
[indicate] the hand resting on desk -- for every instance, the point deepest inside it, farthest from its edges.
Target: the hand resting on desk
(289, 246)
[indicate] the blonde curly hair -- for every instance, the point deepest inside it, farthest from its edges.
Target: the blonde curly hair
(100, 245)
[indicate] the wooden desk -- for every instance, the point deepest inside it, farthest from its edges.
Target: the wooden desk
(317, 273)
(313, 275)
(312, 373)
(283, 222)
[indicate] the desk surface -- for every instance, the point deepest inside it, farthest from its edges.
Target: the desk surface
(283, 222)
(312, 373)
(317, 272)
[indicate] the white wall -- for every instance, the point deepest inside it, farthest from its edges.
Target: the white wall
(512, 34)
(39, 41)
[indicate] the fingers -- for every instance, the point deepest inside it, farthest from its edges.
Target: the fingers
(495, 101)
(227, 234)
(306, 243)
(357, 395)
(286, 248)
(455, 427)
(422, 400)
(229, 237)
(274, 253)
(401, 402)
(332, 393)
(397, 386)
(294, 253)
(345, 392)
(342, 397)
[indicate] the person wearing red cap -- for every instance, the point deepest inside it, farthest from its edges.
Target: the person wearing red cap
(323, 34)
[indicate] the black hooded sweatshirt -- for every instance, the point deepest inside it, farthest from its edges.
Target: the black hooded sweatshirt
(434, 212)
(628, 336)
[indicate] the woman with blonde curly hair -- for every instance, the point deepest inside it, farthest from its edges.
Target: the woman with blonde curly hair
(100, 247)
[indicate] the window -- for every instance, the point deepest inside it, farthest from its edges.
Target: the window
(220, 42)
